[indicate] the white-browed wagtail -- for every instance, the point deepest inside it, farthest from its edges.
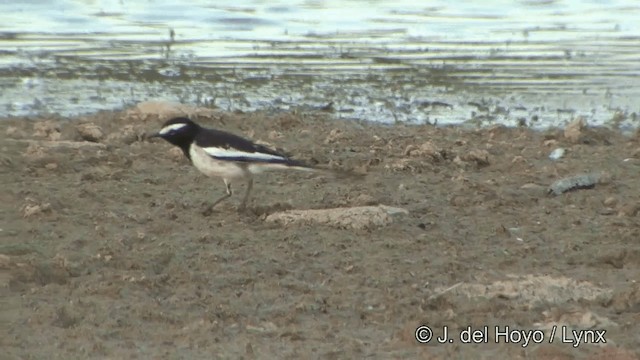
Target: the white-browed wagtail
(218, 153)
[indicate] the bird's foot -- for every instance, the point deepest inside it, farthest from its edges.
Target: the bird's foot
(242, 208)
(207, 211)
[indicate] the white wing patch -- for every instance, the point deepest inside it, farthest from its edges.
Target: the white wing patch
(167, 129)
(222, 153)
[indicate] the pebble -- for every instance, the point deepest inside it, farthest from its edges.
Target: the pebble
(90, 132)
(583, 181)
(557, 154)
(610, 201)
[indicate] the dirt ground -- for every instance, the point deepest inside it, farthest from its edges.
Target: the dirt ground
(105, 251)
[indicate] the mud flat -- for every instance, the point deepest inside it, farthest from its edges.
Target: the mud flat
(105, 253)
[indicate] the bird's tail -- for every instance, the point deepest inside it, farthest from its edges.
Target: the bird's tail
(336, 173)
(291, 164)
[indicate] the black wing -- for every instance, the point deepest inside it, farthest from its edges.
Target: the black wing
(226, 146)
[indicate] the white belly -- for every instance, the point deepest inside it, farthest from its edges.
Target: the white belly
(216, 168)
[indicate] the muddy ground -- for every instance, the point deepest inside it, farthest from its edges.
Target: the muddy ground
(105, 251)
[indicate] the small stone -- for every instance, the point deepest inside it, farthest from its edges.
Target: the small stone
(629, 210)
(51, 166)
(557, 154)
(90, 132)
(610, 201)
(581, 181)
(607, 211)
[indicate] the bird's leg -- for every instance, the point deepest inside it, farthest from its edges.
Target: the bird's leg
(243, 205)
(224, 197)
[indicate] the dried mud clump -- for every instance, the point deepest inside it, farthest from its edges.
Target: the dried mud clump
(578, 132)
(47, 129)
(428, 151)
(574, 131)
(335, 135)
(90, 132)
(32, 208)
(34, 152)
(175, 154)
(14, 132)
(127, 134)
(479, 157)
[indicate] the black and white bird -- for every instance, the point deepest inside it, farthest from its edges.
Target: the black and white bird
(221, 154)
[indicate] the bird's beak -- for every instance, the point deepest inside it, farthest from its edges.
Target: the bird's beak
(154, 135)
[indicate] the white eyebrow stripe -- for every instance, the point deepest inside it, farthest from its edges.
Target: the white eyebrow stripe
(232, 153)
(170, 128)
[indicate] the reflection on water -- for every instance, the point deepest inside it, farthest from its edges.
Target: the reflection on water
(506, 61)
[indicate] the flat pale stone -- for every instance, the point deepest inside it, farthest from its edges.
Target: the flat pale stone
(360, 217)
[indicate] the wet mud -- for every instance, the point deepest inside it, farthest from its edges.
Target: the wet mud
(105, 251)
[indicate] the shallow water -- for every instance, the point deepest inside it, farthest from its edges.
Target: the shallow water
(536, 62)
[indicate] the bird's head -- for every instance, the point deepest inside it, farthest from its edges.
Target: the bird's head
(179, 131)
